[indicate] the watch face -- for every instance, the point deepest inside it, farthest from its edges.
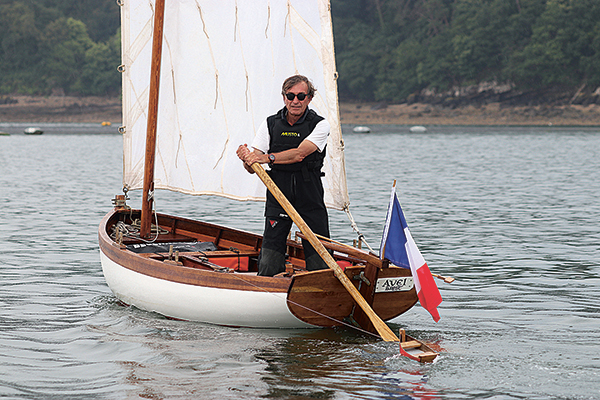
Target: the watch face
(272, 157)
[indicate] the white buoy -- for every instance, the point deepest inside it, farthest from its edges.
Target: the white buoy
(361, 129)
(418, 128)
(33, 131)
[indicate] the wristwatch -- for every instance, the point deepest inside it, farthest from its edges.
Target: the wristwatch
(271, 159)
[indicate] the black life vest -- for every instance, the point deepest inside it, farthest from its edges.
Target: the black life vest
(283, 137)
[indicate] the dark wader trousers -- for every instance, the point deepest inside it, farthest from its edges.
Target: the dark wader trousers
(304, 190)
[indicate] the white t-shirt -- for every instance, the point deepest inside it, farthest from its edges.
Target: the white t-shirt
(318, 136)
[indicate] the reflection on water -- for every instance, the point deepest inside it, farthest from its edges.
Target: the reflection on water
(316, 365)
(511, 213)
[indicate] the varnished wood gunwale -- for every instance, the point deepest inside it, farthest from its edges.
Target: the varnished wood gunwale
(351, 251)
(180, 273)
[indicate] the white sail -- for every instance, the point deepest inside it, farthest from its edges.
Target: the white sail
(223, 65)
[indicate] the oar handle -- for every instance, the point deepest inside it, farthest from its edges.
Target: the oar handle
(384, 331)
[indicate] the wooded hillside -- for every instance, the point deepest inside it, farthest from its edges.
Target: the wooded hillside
(392, 50)
(60, 46)
(386, 50)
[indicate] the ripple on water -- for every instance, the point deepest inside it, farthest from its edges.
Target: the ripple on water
(511, 213)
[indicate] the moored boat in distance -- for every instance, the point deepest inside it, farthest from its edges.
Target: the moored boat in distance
(418, 129)
(33, 131)
(361, 129)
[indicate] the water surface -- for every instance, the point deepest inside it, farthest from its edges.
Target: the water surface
(511, 213)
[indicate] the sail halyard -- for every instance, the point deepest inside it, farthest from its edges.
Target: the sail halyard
(222, 72)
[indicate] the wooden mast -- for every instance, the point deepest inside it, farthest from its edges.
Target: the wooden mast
(148, 191)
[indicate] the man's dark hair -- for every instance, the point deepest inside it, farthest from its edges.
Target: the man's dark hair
(296, 79)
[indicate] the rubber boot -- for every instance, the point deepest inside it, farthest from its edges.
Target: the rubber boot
(315, 262)
(270, 262)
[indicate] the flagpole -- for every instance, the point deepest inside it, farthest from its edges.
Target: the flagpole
(382, 250)
(402, 250)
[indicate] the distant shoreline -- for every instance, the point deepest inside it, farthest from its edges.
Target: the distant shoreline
(62, 109)
(492, 114)
(108, 109)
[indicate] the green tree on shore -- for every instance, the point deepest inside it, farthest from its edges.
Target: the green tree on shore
(64, 45)
(19, 49)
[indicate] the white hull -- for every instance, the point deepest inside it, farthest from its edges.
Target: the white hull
(196, 303)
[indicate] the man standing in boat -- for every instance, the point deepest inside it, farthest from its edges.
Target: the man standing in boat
(293, 143)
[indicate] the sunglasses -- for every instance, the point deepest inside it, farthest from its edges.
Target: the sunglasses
(290, 96)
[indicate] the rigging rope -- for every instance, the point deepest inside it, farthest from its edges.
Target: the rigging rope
(133, 230)
(354, 226)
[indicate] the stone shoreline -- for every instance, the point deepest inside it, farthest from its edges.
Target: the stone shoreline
(108, 109)
(488, 114)
(61, 109)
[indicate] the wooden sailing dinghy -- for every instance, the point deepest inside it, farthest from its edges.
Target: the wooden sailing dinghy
(219, 77)
(211, 277)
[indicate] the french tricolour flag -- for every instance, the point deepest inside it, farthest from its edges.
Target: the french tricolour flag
(398, 246)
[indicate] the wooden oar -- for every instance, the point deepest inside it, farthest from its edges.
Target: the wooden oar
(384, 331)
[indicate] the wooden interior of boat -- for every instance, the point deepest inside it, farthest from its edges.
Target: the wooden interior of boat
(207, 246)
